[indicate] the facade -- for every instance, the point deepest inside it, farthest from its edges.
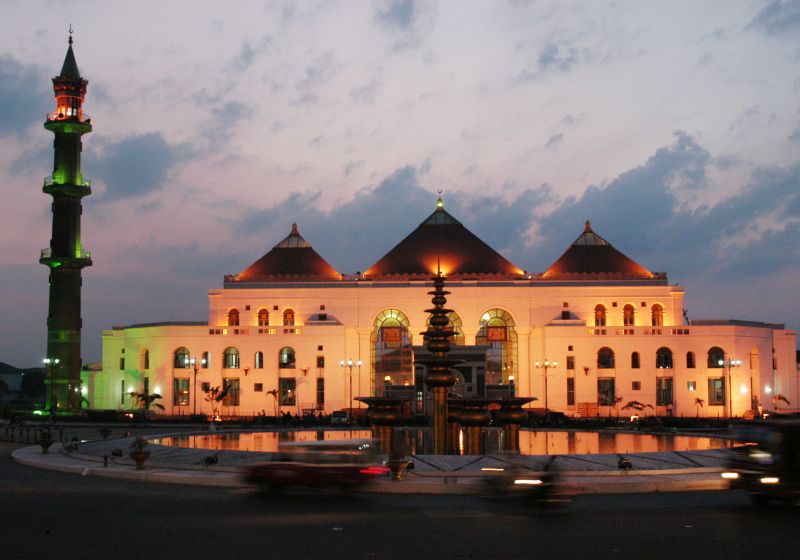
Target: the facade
(592, 333)
(65, 257)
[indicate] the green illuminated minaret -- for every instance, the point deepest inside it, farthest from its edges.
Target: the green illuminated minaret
(65, 257)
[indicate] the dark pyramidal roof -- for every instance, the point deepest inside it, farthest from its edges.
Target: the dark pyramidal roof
(591, 256)
(70, 67)
(443, 242)
(291, 260)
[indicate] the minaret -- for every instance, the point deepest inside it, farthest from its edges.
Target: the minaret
(65, 257)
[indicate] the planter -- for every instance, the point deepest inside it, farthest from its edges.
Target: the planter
(45, 441)
(139, 457)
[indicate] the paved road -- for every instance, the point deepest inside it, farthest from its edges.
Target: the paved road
(44, 514)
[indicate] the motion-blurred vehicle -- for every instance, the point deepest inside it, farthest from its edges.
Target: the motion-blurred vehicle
(342, 465)
(536, 488)
(339, 418)
(767, 465)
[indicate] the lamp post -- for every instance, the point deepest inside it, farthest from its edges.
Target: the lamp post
(546, 365)
(349, 364)
(728, 364)
(50, 364)
(196, 367)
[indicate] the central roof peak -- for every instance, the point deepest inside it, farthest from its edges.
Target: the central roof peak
(440, 216)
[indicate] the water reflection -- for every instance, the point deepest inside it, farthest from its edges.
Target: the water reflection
(417, 441)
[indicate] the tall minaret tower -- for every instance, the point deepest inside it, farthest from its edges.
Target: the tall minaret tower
(65, 257)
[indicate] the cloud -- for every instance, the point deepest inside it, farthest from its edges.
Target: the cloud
(551, 58)
(554, 139)
(316, 74)
(397, 14)
(780, 17)
(406, 20)
(134, 166)
(367, 93)
(23, 96)
(248, 54)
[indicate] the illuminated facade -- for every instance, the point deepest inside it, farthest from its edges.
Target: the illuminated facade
(592, 333)
(65, 257)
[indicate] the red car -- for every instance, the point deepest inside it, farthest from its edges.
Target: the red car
(343, 465)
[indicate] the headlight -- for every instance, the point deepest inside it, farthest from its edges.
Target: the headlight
(770, 480)
(730, 475)
(531, 481)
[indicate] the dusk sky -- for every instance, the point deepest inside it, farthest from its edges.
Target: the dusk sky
(673, 126)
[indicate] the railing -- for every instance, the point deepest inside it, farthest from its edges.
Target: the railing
(80, 254)
(56, 116)
(48, 182)
(638, 331)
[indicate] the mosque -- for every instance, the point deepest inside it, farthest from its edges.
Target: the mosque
(590, 334)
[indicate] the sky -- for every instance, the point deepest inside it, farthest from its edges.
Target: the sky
(673, 126)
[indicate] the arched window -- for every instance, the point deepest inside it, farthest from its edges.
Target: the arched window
(205, 360)
(690, 360)
(635, 360)
(657, 315)
(144, 359)
(599, 315)
(496, 329)
(180, 359)
(286, 358)
(288, 317)
(263, 318)
(605, 358)
(454, 325)
(233, 317)
(664, 358)
(391, 350)
(231, 358)
(258, 362)
(628, 315)
(716, 357)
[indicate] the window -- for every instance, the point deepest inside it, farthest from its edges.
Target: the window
(657, 315)
(691, 385)
(122, 362)
(205, 386)
(287, 391)
(286, 358)
(263, 318)
(663, 391)
(258, 387)
(232, 395)
(180, 359)
(605, 358)
(716, 357)
(605, 391)
(231, 358)
(146, 359)
(320, 362)
(122, 392)
(570, 391)
(664, 358)
(570, 362)
(288, 317)
(180, 391)
(390, 348)
(233, 317)
(690, 360)
(565, 315)
(146, 385)
(259, 360)
(628, 315)
(320, 393)
(636, 386)
(319, 348)
(599, 316)
(205, 360)
(635, 360)
(716, 391)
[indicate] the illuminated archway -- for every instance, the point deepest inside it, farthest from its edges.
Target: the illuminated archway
(496, 330)
(391, 350)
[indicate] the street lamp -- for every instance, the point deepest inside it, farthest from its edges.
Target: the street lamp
(546, 364)
(195, 367)
(728, 364)
(349, 364)
(50, 364)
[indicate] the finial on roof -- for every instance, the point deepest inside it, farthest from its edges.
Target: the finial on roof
(439, 203)
(588, 226)
(70, 33)
(294, 230)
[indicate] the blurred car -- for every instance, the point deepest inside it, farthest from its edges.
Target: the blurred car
(343, 465)
(542, 489)
(767, 465)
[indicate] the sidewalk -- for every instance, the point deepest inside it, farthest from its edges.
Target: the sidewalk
(432, 474)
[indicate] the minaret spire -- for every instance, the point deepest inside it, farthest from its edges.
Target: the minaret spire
(66, 257)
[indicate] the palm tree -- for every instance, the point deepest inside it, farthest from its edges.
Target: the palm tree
(617, 400)
(146, 400)
(776, 399)
(214, 396)
(274, 393)
(698, 403)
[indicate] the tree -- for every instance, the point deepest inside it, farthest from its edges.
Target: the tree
(215, 396)
(638, 407)
(617, 400)
(698, 403)
(777, 399)
(274, 394)
(145, 401)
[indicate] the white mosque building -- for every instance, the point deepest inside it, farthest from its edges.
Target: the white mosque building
(591, 333)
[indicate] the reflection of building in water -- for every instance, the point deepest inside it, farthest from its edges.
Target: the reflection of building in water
(291, 334)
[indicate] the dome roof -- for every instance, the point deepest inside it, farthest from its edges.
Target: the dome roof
(592, 256)
(442, 242)
(291, 260)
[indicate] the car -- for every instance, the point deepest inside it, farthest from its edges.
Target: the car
(344, 465)
(767, 464)
(339, 418)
